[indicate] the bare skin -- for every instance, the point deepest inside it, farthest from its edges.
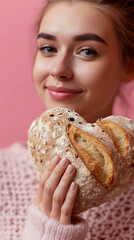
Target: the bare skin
(57, 179)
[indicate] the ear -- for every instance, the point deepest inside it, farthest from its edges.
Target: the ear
(128, 71)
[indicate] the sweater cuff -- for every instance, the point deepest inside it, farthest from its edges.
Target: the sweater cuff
(34, 225)
(76, 231)
(39, 226)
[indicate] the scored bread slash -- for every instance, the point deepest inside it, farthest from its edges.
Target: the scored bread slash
(118, 134)
(93, 153)
(101, 152)
(121, 130)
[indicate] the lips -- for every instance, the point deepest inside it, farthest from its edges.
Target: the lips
(62, 89)
(60, 93)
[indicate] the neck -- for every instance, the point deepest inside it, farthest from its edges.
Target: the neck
(102, 114)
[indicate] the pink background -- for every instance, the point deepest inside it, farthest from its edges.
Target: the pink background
(19, 102)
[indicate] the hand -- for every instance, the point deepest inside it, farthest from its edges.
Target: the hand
(56, 193)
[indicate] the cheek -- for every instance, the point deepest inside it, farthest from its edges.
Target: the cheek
(101, 73)
(111, 75)
(36, 70)
(40, 70)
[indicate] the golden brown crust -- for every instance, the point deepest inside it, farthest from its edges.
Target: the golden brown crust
(117, 133)
(86, 145)
(102, 175)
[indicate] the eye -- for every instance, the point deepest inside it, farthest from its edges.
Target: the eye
(88, 52)
(48, 50)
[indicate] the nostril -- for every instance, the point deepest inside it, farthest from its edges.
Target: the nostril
(59, 76)
(66, 77)
(63, 77)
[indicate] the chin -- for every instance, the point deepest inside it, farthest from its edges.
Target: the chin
(74, 107)
(59, 105)
(70, 103)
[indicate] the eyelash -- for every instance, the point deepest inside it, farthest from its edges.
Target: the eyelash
(43, 49)
(91, 52)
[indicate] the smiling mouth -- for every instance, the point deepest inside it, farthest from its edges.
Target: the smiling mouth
(61, 93)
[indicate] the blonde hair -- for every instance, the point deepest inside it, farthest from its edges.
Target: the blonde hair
(121, 13)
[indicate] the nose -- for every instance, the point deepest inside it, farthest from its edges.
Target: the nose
(62, 69)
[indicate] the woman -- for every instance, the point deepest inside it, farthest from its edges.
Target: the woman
(85, 50)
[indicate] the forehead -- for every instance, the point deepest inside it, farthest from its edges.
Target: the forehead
(65, 20)
(78, 16)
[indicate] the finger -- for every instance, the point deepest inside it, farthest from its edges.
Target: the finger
(61, 191)
(47, 172)
(67, 207)
(51, 184)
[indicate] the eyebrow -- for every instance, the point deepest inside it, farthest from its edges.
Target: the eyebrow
(46, 36)
(89, 36)
(77, 38)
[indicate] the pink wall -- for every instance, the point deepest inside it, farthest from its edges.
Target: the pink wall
(19, 102)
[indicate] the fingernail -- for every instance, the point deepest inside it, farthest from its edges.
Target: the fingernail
(55, 160)
(73, 186)
(63, 162)
(70, 169)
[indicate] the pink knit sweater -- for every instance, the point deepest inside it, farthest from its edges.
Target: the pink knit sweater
(21, 220)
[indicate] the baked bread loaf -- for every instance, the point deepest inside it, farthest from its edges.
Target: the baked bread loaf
(102, 152)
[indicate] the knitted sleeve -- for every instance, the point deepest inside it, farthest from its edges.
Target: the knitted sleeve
(39, 226)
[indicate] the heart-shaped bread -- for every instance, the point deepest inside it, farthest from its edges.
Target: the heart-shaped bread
(102, 152)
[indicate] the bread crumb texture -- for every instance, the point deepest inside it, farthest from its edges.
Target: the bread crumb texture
(102, 152)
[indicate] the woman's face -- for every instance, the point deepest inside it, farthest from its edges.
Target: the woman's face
(78, 63)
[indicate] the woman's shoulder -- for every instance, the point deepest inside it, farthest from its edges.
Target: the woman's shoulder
(15, 158)
(14, 149)
(19, 183)
(15, 145)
